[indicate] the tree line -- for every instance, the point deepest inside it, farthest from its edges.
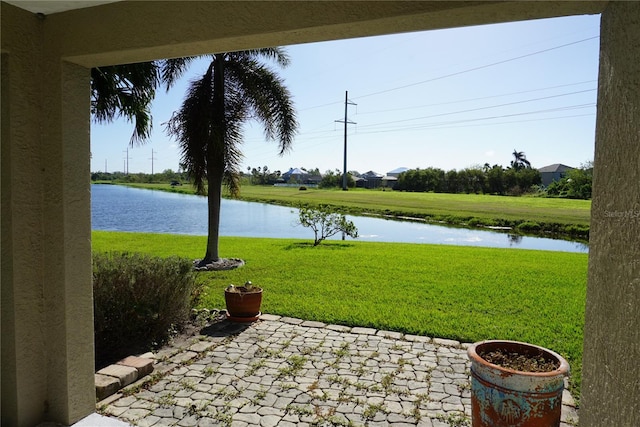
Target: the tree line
(478, 180)
(165, 176)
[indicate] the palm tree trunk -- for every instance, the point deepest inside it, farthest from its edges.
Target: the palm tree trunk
(215, 161)
(214, 195)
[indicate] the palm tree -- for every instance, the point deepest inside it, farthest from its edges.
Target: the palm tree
(236, 87)
(519, 160)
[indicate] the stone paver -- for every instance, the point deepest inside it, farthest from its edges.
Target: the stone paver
(288, 372)
(125, 374)
(143, 365)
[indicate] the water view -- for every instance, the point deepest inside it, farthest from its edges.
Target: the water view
(119, 208)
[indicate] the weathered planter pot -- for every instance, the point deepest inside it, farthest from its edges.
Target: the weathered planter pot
(243, 306)
(502, 397)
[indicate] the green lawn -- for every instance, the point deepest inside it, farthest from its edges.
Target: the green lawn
(564, 216)
(463, 293)
(442, 204)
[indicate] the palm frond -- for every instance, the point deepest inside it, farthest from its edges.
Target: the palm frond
(268, 98)
(276, 54)
(190, 126)
(125, 90)
(172, 69)
(235, 115)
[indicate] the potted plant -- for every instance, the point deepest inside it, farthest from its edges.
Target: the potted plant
(243, 302)
(515, 384)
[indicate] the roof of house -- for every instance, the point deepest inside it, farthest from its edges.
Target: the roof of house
(398, 170)
(372, 174)
(294, 171)
(556, 167)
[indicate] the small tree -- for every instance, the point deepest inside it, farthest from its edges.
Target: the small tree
(325, 222)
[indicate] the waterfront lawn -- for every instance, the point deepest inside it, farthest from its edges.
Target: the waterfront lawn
(452, 208)
(463, 293)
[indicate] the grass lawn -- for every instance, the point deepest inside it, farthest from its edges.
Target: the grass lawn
(565, 216)
(457, 292)
(539, 209)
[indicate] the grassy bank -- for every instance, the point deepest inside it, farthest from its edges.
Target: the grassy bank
(528, 215)
(463, 293)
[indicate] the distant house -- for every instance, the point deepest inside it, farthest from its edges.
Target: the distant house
(360, 181)
(295, 175)
(372, 179)
(553, 172)
(313, 179)
(391, 179)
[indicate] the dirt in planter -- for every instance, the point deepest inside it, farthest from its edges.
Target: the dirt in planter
(519, 361)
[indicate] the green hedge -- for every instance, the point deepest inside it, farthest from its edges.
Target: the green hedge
(138, 301)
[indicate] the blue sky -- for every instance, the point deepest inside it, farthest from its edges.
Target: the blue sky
(447, 98)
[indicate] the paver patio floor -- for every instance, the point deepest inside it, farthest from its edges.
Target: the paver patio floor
(289, 372)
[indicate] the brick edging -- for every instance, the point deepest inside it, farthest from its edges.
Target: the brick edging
(112, 378)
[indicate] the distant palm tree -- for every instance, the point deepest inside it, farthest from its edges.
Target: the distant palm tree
(519, 160)
(208, 126)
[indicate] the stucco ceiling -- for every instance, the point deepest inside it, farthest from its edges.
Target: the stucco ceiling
(49, 7)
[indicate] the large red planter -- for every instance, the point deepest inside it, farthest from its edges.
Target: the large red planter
(243, 305)
(502, 397)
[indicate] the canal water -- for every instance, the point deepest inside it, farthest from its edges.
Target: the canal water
(119, 208)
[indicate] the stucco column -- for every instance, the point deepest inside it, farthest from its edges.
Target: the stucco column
(611, 368)
(67, 285)
(47, 309)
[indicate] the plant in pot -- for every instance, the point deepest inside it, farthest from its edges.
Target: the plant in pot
(515, 384)
(243, 302)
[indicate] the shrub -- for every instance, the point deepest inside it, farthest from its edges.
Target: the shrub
(138, 300)
(529, 227)
(325, 222)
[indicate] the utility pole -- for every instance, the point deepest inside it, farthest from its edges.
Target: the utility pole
(346, 121)
(126, 161)
(105, 166)
(152, 159)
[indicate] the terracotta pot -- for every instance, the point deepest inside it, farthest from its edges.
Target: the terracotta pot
(243, 306)
(502, 397)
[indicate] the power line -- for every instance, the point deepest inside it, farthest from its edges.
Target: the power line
(518, 121)
(457, 73)
(477, 99)
(433, 125)
(320, 135)
(444, 125)
(470, 110)
(268, 158)
(476, 68)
